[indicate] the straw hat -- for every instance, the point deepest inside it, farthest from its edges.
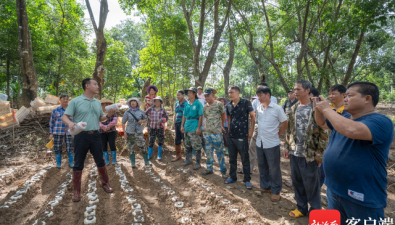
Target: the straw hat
(133, 99)
(104, 101)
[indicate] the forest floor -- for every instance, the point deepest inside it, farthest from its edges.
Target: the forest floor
(166, 192)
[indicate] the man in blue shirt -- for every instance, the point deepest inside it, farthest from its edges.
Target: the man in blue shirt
(191, 126)
(179, 112)
(356, 156)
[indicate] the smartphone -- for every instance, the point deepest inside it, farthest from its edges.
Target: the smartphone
(315, 100)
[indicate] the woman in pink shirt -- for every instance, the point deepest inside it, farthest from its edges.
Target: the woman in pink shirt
(108, 133)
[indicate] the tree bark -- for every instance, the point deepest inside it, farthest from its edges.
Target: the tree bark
(353, 58)
(201, 75)
(101, 43)
(60, 49)
(8, 76)
(30, 82)
(229, 63)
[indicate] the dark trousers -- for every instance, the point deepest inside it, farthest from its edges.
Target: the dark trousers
(179, 134)
(226, 134)
(322, 177)
(349, 209)
(83, 142)
(110, 139)
(306, 181)
(156, 133)
(269, 169)
(236, 145)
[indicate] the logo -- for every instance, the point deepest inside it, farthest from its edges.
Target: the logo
(356, 195)
(324, 217)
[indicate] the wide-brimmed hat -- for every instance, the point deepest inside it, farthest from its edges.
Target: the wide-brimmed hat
(158, 98)
(200, 87)
(133, 99)
(152, 86)
(190, 89)
(104, 101)
(225, 100)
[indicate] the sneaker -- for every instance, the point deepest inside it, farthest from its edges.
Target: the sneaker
(224, 174)
(207, 172)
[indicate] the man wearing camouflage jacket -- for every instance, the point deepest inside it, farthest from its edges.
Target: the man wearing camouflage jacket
(304, 146)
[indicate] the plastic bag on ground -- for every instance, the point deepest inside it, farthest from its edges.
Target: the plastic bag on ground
(79, 127)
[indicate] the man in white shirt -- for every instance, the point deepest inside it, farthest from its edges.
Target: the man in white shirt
(269, 116)
(252, 146)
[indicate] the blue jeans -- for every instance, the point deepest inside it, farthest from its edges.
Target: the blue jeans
(353, 211)
(215, 142)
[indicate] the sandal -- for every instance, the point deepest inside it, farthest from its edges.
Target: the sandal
(229, 181)
(248, 185)
(296, 214)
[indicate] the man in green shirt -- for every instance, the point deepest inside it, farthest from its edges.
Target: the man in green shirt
(191, 126)
(86, 108)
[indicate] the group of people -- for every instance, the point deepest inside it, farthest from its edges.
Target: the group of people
(342, 143)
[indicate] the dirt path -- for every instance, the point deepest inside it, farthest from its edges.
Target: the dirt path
(164, 193)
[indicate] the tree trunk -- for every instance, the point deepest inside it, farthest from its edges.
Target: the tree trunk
(59, 68)
(144, 92)
(101, 43)
(8, 76)
(353, 58)
(229, 63)
(201, 75)
(30, 82)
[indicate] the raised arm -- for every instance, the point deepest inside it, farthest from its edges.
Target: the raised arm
(343, 125)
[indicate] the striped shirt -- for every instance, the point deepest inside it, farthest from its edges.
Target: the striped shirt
(179, 110)
(56, 124)
(155, 116)
(149, 101)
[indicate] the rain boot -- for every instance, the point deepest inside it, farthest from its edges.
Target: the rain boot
(133, 160)
(160, 152)
(71, 159)
(114, 157)
(104, 179)
(77, 185)
(178, 153)
(106, 157)
(150, 150)
(188, 157)
(145, 156)
(198, 157)
(58, 158)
